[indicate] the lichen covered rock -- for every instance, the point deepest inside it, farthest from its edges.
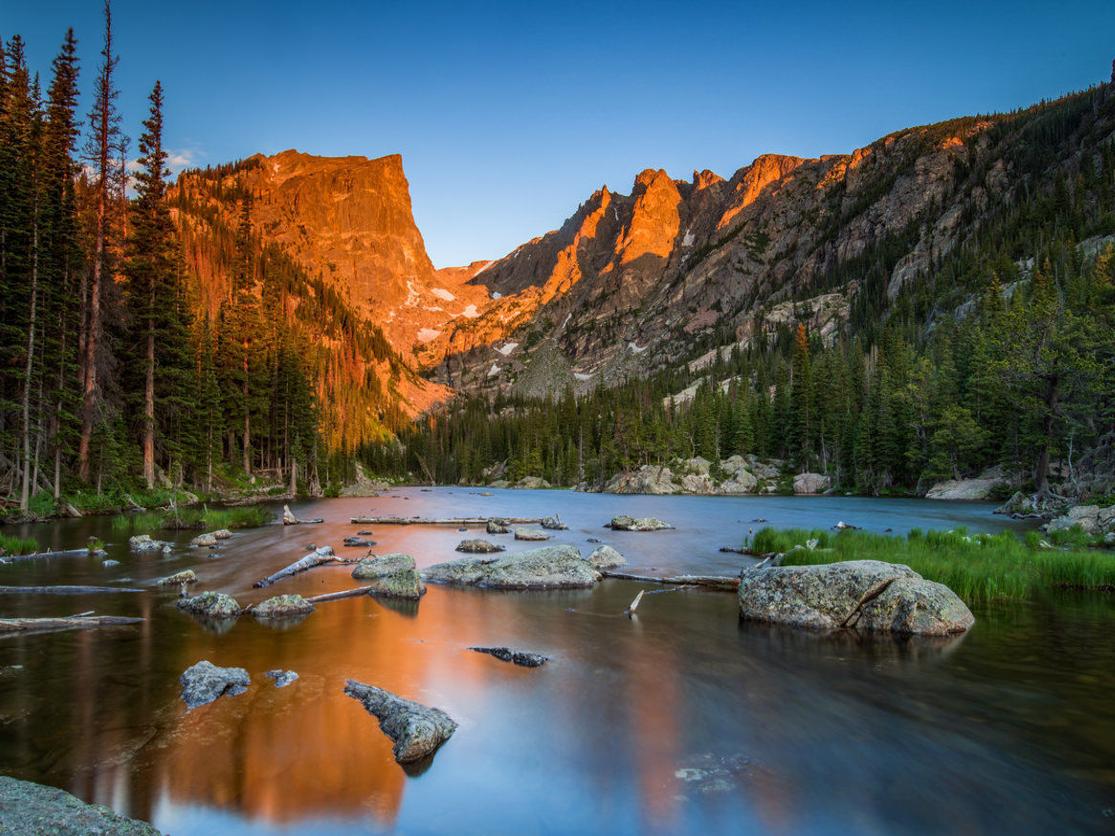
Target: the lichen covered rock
(26, 807)
(391, 576)
(283, 606)
(626, 523)
(479, 547)
(417, 730)
(550, 567)
(605, 557)
(204, 682)
(211, 605)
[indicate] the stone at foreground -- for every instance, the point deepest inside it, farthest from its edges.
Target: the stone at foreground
(517, 657)
(626, 523)
(204, 682)
(211, 605)
(26, 807)
(550, 567)
(416, 729)
(860, 594)
(391, 576)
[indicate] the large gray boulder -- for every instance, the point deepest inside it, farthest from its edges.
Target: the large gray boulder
(864, 594)
(26, 807)
(479, 547)
(550, 567)
(605, 557)
(391, 576)
(1091, 518)
(806, 484)
(647, 479)
(205, 682)
(626, 523)
(417, 730)
(211, 605)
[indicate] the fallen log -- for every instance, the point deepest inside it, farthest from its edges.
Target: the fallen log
(75, 622)
(290, 519)
(83, 552)
(467, 522)
(734, 550)
(310, 561)
(728, 584)
(63, 590)
(336, 596)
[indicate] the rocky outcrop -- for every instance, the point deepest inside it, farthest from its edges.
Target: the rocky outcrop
(211, 605)
(735, 476)
(1092, 519)
(283, 606)
(204, 682)
(417, 730)
(391, 576)
(811, 483)
(26, 807)
(860, 594)
(516, 657)
(497, 527)
(550, 567)
(648, 479)
(626, 523)
(978, 488)
(479, 547)
(605, 557)
(142, 543)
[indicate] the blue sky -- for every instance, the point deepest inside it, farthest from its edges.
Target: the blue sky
(509, 114)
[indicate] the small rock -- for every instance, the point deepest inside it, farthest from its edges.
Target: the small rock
(204, 540)
(479, 547)
(179, 578)
(363, 533)
(325, 551)
(626, 523)
(554, 523)
(358, 542)
(531, 534)
(211, 605)
(497, 527)
(108, 564)
(222, 534)
(605, 557)
(517, 657)
(143, 543)
(593, 540)
(282, 606)
(843, 526)
(416, 729)
(205, 682)
(282, 678)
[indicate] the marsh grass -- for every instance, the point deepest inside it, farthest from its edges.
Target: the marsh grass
(186, 519)
(977, 567)
(18, 545)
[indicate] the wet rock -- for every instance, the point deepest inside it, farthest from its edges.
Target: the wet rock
(211, 605)
(865, 594)
(324, 551)
(626, 523)
(358, 542)
(186, 576)
(550, 567)
(554, 523)
(497, 527)
(843, 526)
(592, 540)
(204, 541)
(282, 678)
(364, 533)
(283, 606)
(143, 543)
(811, 483)
(391, 576)
(479, 547)
(605, 557)
(517, 657)
(531, 534)
(711, 774)
(222, 534)
(417, 730)
(26, 807)
(108, 564)
(205, 682)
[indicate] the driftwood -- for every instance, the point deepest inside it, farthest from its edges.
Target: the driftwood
(82, 552)
(336, 596)
(63, 590)
(289, 518)
(734, 550)
(457, 521)
(630, 611)
(310, 561)
(728, 584)
(73, 622)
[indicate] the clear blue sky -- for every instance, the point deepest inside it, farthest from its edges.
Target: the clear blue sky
(509, 114)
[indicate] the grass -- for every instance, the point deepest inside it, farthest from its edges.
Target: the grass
(206, 518)
(978, 567)
(18, 545)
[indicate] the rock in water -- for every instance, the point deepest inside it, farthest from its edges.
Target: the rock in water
(554, 523)
(204, 682)
(531, 534)
(143, 543)
(391, 576)
(359, 542)
(517, 657)
(26, 807)
(288, 516)
(864, 594)
(283, 606)
(417, 730)
(605, 557)
(179, 578)
(282, 678)
(204, 540)
(222, 534)
(626, 523)
(550, 567)
(211, 605)
(497, 527)
(479, 547)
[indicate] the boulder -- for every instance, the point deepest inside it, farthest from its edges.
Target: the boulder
(649, 479)
(554, 523)
(855, 593)
(532, 482)
(204, 541)
(282, 678)
(391, 576)
(178, 578)
(972, 489)
(497, 527)
(550, 567)
(517, 657)
(417, 730)
(533, 535)
(143, 543)
(698, 483)
(26, 807)
(811, 483)
(626, 523)
(605, 557)
(358, 543)
(205, 682)
(211, 605)
(222, 534)
(698, 465)
(479, 547)
(283, 606)
(1091, 518)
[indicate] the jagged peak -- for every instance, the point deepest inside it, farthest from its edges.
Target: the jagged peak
(705, 178)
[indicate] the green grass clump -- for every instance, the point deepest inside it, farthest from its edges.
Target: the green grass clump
(977, 567)
(18, 545)
(191, 519)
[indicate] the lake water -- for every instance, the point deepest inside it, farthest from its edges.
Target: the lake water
(679, 720)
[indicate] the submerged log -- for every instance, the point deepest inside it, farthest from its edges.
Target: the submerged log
(63, 590)
(74, 622)
(82, 552)
(336, 596)
(472, 522)
(310, 561)
(721, 582)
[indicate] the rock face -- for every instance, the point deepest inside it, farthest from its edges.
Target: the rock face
(479, 547)
(205, 682)
(648, 479)
(391, 576)
(973, 489)
(211, 605)
(33, 808)
(416, 730)
(811, 483)
(1091, 518)
(605, 557)
(517, 657)
(864, 594)
(283, 606)
(626, 523)
(143, 543)
(550, 567)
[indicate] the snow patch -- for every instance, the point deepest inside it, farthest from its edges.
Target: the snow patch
(442, 293)
(506, 350)
(427, 334)
(487, 264)
(470, 312)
